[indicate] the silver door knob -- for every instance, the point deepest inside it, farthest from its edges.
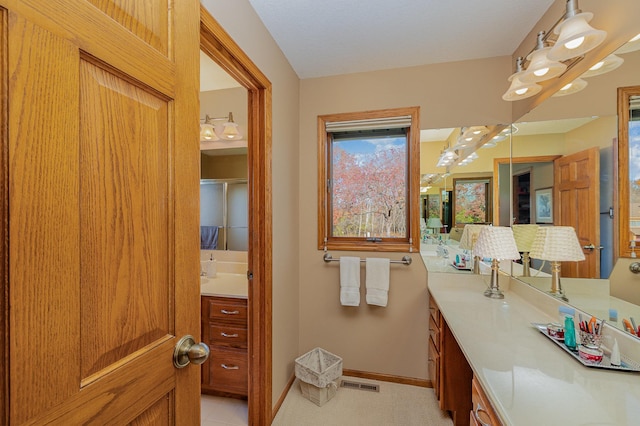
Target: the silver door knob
(592, 247)
(187, 350)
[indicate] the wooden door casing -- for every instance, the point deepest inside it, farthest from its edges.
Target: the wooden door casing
(576, 204)
(102, 174)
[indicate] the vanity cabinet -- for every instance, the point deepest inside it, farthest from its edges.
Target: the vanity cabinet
(224, 329)
(482, 413)
(449, 370)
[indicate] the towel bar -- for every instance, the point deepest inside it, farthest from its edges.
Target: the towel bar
(405, 259)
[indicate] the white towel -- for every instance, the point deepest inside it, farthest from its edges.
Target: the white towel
(377, 281)
(350, 281)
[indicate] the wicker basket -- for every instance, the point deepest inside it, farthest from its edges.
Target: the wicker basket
(318, 395)
(318, 367)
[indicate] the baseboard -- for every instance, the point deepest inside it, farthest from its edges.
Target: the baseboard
(276, 407)
(424, 383)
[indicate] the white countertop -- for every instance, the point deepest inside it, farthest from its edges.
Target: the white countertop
(225, 285)
(529, 380)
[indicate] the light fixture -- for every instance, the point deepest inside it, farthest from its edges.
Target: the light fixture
(447, 157)
(496, 243)
(207, 131)
(630, 46)
(469, 159)
(524, 235)
(228, 131)
(609, 63)
(540, 67)
(468, 241)
(556, 244)
(575, 36)
(520, 89)
(434, 223)
(569, 89)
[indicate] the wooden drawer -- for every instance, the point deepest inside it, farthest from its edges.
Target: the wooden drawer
(228, 309)
(227, 335)
(228, 371)
(434, 368)
(434, 333)
(434, 311)
(482, 412)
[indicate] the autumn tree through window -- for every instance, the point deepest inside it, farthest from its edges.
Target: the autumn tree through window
(368, 180)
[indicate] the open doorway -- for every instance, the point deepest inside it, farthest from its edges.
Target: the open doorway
(217, 45)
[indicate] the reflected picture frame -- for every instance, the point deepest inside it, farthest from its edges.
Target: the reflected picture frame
(544, 205)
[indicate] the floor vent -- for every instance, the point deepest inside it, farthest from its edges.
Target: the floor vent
(359, 385)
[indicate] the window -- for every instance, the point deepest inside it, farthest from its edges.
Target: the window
(472, 200)
(368, 180)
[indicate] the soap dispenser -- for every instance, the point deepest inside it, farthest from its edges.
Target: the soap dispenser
(212, 267)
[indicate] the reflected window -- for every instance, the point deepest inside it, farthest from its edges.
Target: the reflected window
(472, 200)
(629, 165)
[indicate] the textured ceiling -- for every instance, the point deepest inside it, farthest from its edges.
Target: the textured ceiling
(331, 37)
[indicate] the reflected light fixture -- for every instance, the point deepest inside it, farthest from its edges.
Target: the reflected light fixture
(207, 131)
(556, 244)
(434, 223)
(212, 133)
(230, 129)
(609, 63)
(447, 158)
(575, 36)
(520, 89)
(630, 46)
(496, 243)
(540, 67)
(575, 86)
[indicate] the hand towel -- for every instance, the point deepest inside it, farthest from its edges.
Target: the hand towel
(350, 281)
(377, 281)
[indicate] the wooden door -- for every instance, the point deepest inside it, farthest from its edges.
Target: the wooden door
(102, 210)
(577, 198)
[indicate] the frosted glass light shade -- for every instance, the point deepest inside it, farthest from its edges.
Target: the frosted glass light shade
(470, 235)
(520, 89)
(575, 86)
(541, 68)
(575, 37)
(630, 46)
(524, 236)
(609, 63)
(496, 242)
(556, 243)
(207, 133)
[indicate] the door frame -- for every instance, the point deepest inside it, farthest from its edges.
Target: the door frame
(221, 48)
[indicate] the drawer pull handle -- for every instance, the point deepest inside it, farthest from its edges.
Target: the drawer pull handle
(477, 415)
(224, 311)
(231, 336)
(229, 367)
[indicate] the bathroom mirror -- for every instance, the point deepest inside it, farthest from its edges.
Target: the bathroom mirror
(224, 165)
(585, 121)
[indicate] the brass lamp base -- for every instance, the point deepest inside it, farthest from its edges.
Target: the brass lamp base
(494, 291)
(556, 288)
(526, 270)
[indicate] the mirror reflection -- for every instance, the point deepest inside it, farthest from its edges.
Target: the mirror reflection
(566, 137)
(223, 158)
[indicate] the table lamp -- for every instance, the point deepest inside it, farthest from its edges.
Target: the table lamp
(468, 240)
(524, 236)
(556, 244)
(497, 243)
(434, 223)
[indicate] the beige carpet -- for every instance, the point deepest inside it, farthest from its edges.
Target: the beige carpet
(395, 404)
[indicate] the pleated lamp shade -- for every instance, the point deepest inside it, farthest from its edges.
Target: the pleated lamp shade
(470, 235)
(496, 242)
(434, 222)
(556, 243)
(524, 236)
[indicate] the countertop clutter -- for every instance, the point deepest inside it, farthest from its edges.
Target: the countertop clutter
(528, 379)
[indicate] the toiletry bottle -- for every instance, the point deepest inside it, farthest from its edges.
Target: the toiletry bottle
(569, 333)
(212, 267)
(615, 353)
